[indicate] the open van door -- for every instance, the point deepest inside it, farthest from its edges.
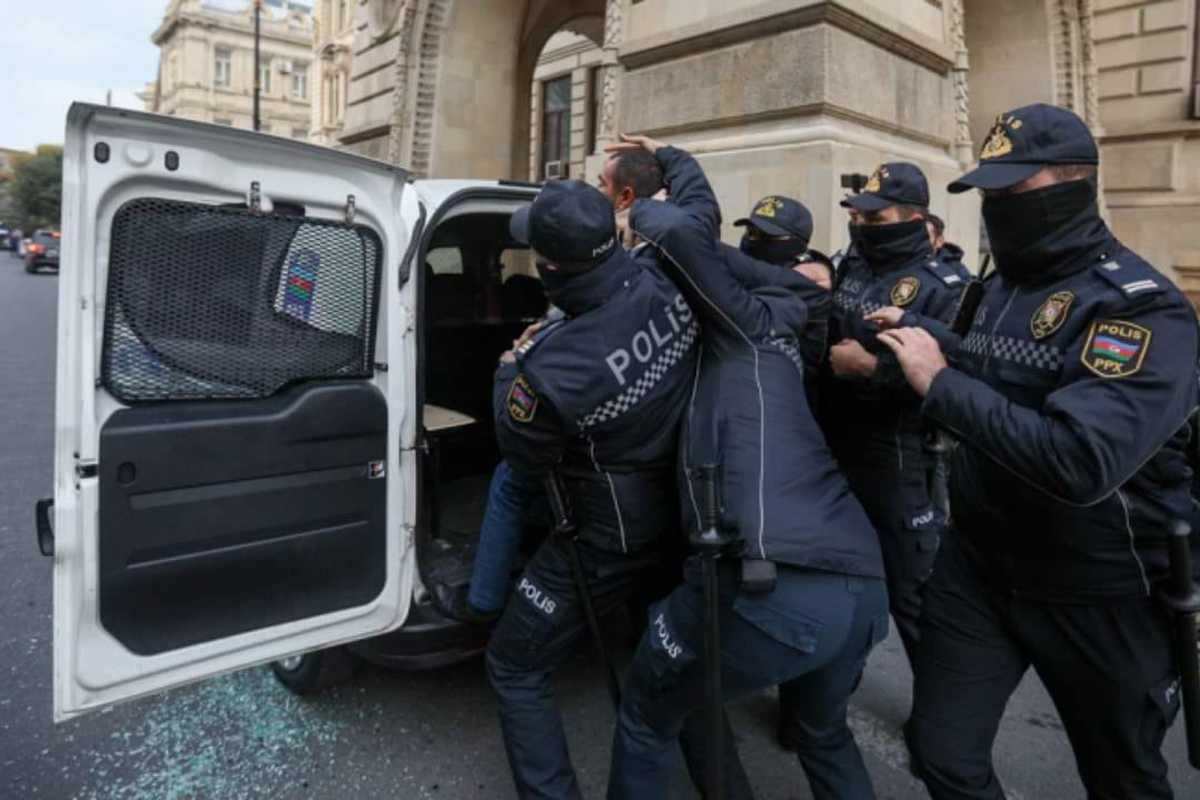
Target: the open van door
(234, 465)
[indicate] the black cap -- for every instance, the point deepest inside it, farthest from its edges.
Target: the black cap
(895, 184)
(780, 216)
(569, 223)
(1023, 141)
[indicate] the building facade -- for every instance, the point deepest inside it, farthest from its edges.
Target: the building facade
(206, 64)
(333, 38)
(787, 96)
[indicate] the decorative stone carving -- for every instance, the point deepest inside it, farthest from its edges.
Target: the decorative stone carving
(610, 86)
(963, 149)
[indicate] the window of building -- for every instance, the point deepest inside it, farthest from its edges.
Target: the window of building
(222, 66)
(556, 122)
(264, 75)
(595, 86)
(300, 81)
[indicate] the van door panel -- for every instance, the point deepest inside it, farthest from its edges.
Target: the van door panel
(212, 514)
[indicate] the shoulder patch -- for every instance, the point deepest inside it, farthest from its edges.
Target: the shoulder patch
(522, 400)
(944, 273)
(905, 291)
(1051, 314)
(1115, 348)
(1132, 277)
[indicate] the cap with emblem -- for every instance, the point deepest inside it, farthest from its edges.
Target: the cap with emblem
(569, 223)
(780, 216)
(1023, 141)
(896, 184)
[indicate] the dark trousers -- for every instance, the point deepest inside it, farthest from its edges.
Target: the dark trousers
(893, 483)
(817, 625)
(543, 625)
(1108, 669)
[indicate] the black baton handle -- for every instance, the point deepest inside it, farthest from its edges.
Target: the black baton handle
(710, 541)
(1183, 598)
(564, 526)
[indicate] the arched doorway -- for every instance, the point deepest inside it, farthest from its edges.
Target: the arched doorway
(462, 96)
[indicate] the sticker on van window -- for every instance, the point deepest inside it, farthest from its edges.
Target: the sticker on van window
(376, 469)
(301, 284)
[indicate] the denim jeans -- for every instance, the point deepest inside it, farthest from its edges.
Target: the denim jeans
(509, 497)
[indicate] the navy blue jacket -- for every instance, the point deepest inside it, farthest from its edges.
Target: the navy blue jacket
(748, 411)
(883, 409)
(1070, 398)
(599, 396)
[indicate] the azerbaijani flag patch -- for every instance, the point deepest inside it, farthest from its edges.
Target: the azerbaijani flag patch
(1115, 348)
(522, 400)
(301, 284)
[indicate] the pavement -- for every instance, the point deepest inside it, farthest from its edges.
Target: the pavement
(384, 734)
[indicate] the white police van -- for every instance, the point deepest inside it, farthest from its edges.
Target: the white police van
(273, 426)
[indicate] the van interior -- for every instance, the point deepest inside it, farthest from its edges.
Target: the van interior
(480, 292)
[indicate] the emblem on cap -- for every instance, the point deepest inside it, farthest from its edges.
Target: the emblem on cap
(876, 181)
(905, 291)
(522, 400)
(1115, 348)
(997, 143)
(768, 207)
(1051, 314)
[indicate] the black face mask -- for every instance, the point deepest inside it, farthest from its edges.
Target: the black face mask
(1032, 232)
(891, 245)
(783, 252)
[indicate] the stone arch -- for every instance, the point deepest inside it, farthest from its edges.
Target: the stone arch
(463, 71)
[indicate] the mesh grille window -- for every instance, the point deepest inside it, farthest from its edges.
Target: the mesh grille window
(206, 302)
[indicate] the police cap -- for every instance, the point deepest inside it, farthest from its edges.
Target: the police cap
(569, 223)
(780, 216)
(898, 183)
(1023, 141)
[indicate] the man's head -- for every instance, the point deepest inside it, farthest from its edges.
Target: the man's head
(569, 224)
(896, 192)
(628, 176)
(937, 231)
(777, 230)
(1030, 148)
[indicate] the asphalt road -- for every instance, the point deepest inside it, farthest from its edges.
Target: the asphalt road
(384, 735)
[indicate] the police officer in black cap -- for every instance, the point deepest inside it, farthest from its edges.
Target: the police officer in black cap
(596, 397)
(788, 503)
(872, 416)
(1070, 395)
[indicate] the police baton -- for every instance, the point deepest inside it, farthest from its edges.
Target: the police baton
(1182, 597)
(564, 526)
(710, 541)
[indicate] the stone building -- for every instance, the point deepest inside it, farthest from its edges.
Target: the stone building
(206, 64)
(789, 95)
(332, 41)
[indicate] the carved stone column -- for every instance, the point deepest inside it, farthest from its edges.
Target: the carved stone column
(964, 150)
(399, 129)
(611, 84)
(1087, 48)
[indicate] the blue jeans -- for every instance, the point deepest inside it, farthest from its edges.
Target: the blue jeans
(509, 497)
(815, 627)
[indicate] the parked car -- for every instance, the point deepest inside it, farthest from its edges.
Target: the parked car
(41, 250)
(317, 332)
(5, 237)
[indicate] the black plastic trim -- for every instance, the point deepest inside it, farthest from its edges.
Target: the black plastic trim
(45, 526)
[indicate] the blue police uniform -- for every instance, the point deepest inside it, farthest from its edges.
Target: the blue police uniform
(1069, 395)
(874, 423)
(783, 493)
(597, 397)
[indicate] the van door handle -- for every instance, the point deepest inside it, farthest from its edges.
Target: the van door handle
(45, 528)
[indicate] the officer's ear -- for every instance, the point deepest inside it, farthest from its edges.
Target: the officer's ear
(624, 198)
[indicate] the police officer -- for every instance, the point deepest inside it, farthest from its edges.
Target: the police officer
(789, 504)
(873, 418)
(598, 398)
(1070, 395)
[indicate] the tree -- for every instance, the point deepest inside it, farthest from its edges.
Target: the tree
(36, 188)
